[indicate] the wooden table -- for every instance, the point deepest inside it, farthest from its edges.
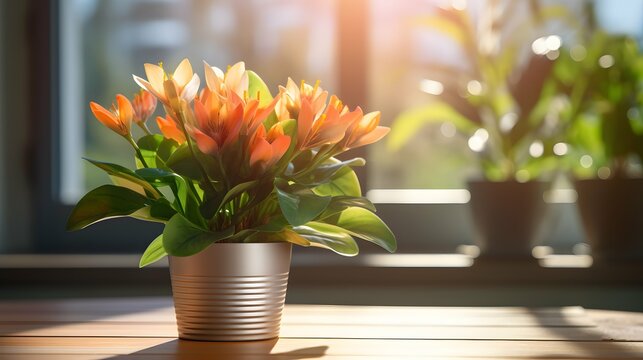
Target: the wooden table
(144, 328)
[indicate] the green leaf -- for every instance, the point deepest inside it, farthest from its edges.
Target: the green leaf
(341, 203)
(188, 203)
(343, 182)
(257, 87)
(329, 237)
(183, 238)
(448, 25)
(154, 252)
(300, 206)
(275, 224)
(105, 202)
(364, 224)
(183, 163)
(155, 150)
(324, 172)
(148, 145)
(238, 190)
(126, 174)
(162, 209)
(408, 123)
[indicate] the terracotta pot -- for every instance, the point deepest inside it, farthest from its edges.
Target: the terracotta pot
(231, 292)
(507, 216)
(612, 215)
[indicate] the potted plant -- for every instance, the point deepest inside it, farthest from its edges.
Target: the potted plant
(606, 137)
(499, 98)
(236, 176)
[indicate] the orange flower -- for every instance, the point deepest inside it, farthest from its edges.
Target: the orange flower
(328, 128)
(292, 96)
(234, 80)
(220, 121)
(183, 84)
(170, 129)
(144, 104)
(364, 130)
(118, 118)
(267, 149)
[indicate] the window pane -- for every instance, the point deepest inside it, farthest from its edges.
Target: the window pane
(103, 42)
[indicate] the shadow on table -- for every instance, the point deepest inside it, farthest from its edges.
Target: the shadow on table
(602, 348)
(183, 349)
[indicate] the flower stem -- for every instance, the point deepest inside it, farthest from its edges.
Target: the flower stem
(143, 126)
(137, 149)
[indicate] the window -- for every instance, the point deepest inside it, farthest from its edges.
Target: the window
(101, 42)
(104, 42)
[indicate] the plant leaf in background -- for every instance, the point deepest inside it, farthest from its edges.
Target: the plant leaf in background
(408, 123)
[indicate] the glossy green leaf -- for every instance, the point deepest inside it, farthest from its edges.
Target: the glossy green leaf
(183, 163)
(364, 224)
(324, 172)
(258, 88)
(300, 206)
(188, 204)
(155, 150)
(238, 190)
(343, 182)
(329, 237)
(124, 173)
(162, 209)
(183, 238)
(154, 252)
(341, 203)
(148, 145)
(275, 224)
(105, 202)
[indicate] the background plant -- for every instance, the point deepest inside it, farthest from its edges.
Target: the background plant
(602, 78)
(501, 97)
(235, 164)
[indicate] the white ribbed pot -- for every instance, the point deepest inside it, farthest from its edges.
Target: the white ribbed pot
(231, 292)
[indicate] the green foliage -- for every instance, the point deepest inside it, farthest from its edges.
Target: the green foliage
(364, 224)
(156, 150)
(183, 238)
(300, 205)
(501, 99)
(603, 112)
(154, 252)
(241, 191)
(257, 88)
(105, 202)
(329, 237)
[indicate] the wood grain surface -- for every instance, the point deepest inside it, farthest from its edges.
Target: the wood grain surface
(145, 328)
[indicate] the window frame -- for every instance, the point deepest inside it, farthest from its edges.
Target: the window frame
(132, 236)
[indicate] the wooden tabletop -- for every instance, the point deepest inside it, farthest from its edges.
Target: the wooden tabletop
(144, 328)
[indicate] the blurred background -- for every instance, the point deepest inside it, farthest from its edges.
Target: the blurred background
(510, 92)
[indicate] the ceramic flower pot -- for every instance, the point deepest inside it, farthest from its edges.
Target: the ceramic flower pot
(612, 213)
(231, 291)
(508, 217)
